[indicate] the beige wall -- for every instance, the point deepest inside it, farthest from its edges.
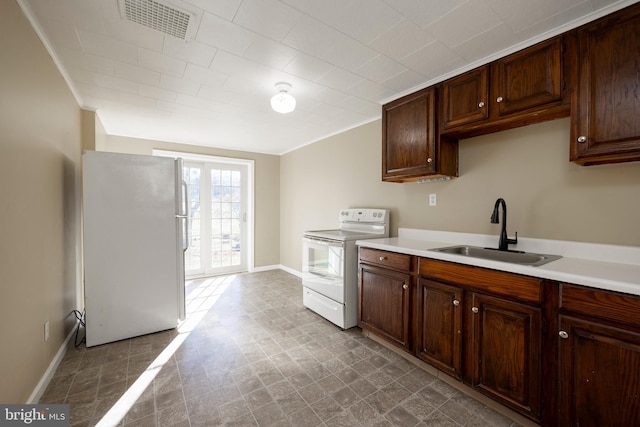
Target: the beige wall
(547, 196)
(39, 206)
(267, 188)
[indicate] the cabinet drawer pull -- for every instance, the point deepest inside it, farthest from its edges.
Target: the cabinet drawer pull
(405, 286)
(582, 139)
(382, 258)
(456, 302)
(475, 309)
(499, 99)
(480, 104)
(563, 335)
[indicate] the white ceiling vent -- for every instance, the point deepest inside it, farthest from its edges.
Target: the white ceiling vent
(164, 17)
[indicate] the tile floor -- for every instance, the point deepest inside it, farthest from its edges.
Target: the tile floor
(251, 355)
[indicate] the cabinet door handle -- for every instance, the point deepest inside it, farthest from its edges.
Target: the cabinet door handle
(429, 160)
(405, 286)
(475, 309)
(480, 104)
(456, 302)
(582, 139)
(382, 258)
(563, 335)
(499, 99)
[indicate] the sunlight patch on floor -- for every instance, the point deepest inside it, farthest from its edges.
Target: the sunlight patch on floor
(199, 302)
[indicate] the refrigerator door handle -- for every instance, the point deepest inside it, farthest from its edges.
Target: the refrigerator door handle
(185, 245)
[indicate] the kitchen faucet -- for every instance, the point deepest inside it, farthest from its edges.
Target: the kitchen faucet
(505, 241)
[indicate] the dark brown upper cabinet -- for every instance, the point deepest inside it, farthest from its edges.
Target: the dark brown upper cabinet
(521, 89)
(411, 146)
(605, 116)
(465, 98)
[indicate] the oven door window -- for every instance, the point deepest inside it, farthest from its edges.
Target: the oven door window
(323, 267)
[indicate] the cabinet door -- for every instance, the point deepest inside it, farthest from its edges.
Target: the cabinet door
(439, 326)
(599, 375)
(408, 136)
(606, 111)
(505, 352)
(383, 303)
(528, 79)
(465, 98)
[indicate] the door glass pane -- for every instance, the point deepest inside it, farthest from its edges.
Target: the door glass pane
(225, 217)
(191, 176)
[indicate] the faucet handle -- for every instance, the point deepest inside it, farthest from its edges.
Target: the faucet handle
(513, 241)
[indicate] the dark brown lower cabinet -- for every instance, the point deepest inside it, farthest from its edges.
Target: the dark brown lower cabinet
(384, 303)
(439, 326)
(505, 353)
(599, 374)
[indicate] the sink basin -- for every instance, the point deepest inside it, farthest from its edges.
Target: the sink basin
(513, 257)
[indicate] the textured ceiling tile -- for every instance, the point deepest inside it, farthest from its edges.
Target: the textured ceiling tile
(62, 35)
(380, 69)
(519, 14)
(75, 59)
(179, 85)
(134, 34)
(349, 53)
(193, 51)
(403, 39)
(554, 21)
(116, 83)
(335, 53)
(157, 93)
(100, 45)
(424, 12)
(433, 55)
(137, 74)
(308, 67)
(339, 79)
(312, 37)
(370, 91)
(374, 17)
(270, 53)
(205, 76)
(226, 9)
(223, 34)
(161, 63)
(464, 23)
(487, 43)
(404, 81)
(270, 18)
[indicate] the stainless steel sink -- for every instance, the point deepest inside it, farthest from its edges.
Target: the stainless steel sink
(513, 257)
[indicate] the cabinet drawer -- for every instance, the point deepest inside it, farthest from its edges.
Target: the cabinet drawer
(496, 282)
(386, 259)
(601, 304)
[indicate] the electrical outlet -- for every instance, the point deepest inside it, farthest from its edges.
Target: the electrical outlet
(433, 200)
(46, 331)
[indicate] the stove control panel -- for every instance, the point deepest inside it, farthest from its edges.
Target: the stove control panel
(363, 215)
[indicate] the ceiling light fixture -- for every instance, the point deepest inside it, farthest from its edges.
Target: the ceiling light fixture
(282, 102)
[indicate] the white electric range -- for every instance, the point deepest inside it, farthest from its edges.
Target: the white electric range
(330, 264)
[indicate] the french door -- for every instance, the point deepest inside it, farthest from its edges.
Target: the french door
(217, 218)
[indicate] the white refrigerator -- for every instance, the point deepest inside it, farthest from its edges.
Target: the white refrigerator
(135, 234)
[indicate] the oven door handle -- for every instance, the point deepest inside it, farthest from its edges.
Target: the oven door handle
(322, 242)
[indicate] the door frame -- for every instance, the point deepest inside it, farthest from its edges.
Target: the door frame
(250, 165)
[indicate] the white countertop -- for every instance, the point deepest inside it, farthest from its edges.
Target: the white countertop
(610, 267)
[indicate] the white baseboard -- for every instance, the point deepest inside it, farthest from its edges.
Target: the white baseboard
(290, 270)
(264, 268)
(51, 370)
(277, 267)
